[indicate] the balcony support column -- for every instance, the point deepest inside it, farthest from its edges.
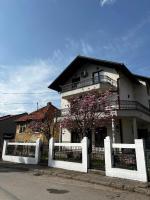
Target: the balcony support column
(135, 128)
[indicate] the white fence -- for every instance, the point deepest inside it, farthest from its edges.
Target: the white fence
(82, 167)
(140, 174)
(21, 159)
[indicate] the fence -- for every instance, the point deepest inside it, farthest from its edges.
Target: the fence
(70, 156)
(27, 153)
(125, 160)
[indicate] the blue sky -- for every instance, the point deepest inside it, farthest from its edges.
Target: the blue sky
(38, 38)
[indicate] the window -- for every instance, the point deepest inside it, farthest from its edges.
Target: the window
(22, 128)
(98, 76)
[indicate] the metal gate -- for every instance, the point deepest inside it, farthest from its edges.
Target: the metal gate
(44, 149)
(147, 157)
(97, 159)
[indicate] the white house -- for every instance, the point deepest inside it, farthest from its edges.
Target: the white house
(131, 92)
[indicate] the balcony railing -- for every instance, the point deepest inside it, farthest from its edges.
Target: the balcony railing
(88, 82)
(117, 105)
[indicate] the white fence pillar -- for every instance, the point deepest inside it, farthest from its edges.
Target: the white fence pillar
(140, 159)
(85, 157)
(37, 151)
(108, 155)
(51, 149)
(4, 149)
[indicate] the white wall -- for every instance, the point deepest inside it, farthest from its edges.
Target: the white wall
(66, 135)
(140, 92)
(126, 88)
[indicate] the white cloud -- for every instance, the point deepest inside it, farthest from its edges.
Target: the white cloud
(30, 78)
(103, 2)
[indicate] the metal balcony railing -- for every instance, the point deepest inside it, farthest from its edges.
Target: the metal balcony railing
(117, 105)
(88, 82)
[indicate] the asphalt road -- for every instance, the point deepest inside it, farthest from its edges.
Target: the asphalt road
(19, 185)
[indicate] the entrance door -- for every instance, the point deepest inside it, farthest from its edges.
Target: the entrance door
(100, 134)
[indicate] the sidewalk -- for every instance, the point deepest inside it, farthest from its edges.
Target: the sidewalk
(91, 177)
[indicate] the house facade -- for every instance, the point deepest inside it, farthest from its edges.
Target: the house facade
(8, 127)
(130, 103)
(37, 125)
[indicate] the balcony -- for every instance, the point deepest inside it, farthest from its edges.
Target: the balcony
(102, 79)
(123, 105)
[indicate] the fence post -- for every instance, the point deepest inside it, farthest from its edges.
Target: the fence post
(140, 159)
(37, 151)
(4, 148)
(51, 149)
(85, 157)
(108, 155)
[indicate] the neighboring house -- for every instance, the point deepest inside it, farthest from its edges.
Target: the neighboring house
(131, 103)
(8, 127)
(38, 124)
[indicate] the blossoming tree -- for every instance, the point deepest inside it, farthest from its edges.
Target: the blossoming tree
(88, 111)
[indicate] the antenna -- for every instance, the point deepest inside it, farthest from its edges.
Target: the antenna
(37, 105)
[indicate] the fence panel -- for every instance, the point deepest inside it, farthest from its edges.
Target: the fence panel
(128, 165)
(70, 156)
(27, 153)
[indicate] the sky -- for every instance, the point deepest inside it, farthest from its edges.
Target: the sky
(39, 38)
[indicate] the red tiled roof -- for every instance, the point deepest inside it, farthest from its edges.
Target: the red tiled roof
(38, 115)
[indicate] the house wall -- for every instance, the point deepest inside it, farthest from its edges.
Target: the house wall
(140, 91)
(126, 90)
(66, 135)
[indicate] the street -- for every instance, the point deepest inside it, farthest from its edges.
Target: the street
(20, 185)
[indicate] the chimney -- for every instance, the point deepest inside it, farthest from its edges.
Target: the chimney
(49, 104)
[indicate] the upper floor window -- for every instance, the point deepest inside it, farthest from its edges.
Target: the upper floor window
(98, 76)
(148, 88)
(22, 128)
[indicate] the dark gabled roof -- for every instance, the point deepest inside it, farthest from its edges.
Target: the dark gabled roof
(12, 116)
(79, 61)
(142, 78)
